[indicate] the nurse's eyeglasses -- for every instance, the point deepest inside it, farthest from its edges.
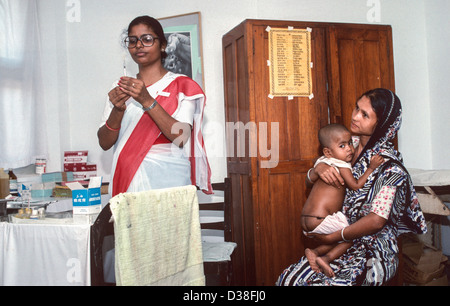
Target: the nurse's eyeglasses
(147, 40)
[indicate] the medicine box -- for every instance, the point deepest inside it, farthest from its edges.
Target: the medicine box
(75, 157)
(81, 171)
(76, 163)
(86, 200)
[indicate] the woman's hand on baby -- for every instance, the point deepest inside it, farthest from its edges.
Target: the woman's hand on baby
(136, 89)
(376, 161)
(329, 175)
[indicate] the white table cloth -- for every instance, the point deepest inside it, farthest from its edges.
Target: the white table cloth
(44, 254)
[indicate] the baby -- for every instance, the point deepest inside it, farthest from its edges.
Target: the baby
(321, 213)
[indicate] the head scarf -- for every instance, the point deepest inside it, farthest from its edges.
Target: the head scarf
(406, 212)
(389, 121)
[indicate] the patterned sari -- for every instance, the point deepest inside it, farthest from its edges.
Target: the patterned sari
(373, 259)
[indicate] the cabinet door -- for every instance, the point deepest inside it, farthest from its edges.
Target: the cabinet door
(360, 59)
(238, 110)
(281, 190)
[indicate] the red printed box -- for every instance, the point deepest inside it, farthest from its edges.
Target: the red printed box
(81, 172)
(79, 167)
(75, 157)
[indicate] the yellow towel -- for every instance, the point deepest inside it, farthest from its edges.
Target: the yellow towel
(158, 238)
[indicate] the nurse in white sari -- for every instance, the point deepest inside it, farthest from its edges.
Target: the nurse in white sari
(154, 121)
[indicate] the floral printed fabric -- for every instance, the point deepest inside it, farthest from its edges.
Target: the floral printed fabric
(382, 203)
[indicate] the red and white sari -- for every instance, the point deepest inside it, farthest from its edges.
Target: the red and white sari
(144, 158)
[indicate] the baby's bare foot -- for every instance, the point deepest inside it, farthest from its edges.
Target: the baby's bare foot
(325, 266)
(311, 255)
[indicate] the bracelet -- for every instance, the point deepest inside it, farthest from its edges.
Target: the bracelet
(150, 107)
(342, 235)
(110, 128)
(307, 176)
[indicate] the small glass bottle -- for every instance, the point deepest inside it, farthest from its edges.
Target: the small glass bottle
(20, 213)
(27, 213)
(34, 214)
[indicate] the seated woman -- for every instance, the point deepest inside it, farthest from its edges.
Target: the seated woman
(376, 218)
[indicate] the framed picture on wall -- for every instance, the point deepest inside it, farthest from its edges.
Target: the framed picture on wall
(184, 45)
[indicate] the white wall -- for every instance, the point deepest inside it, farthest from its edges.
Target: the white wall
(438, 38)
(91, 60)
(438, 42)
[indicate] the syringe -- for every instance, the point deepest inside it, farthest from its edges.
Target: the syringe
(124, 66)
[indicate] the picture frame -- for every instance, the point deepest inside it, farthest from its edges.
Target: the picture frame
(184, 45)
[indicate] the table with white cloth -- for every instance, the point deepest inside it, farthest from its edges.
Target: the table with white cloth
(46, 252)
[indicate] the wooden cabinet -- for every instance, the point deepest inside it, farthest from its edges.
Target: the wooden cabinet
(360, 58)
(267, 201)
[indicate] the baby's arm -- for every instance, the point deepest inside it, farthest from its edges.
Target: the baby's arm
(355, 184)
